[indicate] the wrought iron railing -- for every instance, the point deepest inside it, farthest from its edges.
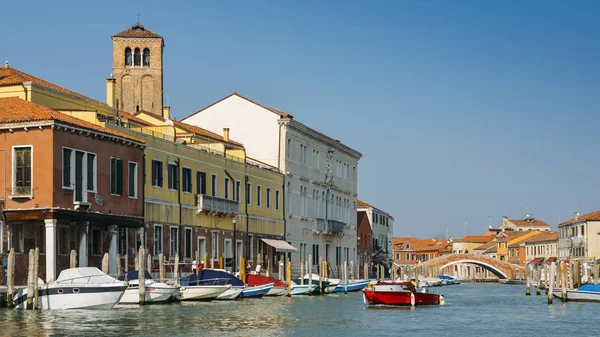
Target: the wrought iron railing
(210, 204)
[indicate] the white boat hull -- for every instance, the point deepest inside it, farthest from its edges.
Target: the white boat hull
(231, 294)
(298, 289)
(154, 293)
(97, 297)
(277, 291)
(203, 293)
(578, 295)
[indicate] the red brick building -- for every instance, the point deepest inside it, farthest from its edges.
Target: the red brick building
(68, 185)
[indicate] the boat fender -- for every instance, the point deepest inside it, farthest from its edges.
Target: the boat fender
(412, 299)
(442, 300)
(365, 299)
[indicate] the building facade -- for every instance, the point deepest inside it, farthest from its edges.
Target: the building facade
(320, 187)
(381, 225)
(578, 237)
(70, 185)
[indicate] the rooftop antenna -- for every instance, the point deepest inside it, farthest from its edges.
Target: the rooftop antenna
(167, 91)
(446, 231)
(138, 18)
(466, 228)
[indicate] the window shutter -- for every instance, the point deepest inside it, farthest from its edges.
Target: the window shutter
(154, 174)
(119, 177)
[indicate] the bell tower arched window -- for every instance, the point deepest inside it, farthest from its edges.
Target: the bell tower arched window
(128, 60)
(146, 59)
(137, 57)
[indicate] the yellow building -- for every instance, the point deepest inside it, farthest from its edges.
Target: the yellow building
(510, 238)
(199, 200)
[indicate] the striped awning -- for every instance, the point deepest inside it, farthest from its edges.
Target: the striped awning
(280, 245)
(537, 260)
(550, 260)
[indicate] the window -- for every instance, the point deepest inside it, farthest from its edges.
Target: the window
(122, 241)
(188, 243)
(146, 57)
(268, 197)
(40, 237)
(315, 255)
(67, 155)
(116, 176)
(214, 185)
(91, 172)
(22, 162)
(407, 256)
(132, 181)
(137, 57)
(258, 193)
(17, 238)
(174, 241)
(157, 239)
(226, 187)
(128, 60)
(96, 242)
(238, 187)
(277, 199)
(200, 182)
(157, 173)
(288, 149)
(172, 177)
(215, 244)
(249, 193)
(187, 179)
(63, 240)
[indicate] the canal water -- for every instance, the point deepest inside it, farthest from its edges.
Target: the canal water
(470, 310)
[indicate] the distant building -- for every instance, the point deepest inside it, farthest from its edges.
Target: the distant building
(467, 244)
(578, 237)
(528, 223)
(380, 227)
(409, 251)
(540, 248)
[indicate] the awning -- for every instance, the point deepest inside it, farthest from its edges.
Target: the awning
(537, 260)
(550, 260)
(280, 245)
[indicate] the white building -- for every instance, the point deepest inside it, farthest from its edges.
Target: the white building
(320, 172)
(382, 225)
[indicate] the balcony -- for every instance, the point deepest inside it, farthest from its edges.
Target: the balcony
(322, 226)
(215, 205)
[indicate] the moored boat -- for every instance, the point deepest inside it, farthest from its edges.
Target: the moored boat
(279, 288)
(585, 293)
(351, 287)
(219, 276)
(448, 280)
(156, 292)
(302, 289)
(315, 281)
(77, 288)
(257, 291)
(400, 294)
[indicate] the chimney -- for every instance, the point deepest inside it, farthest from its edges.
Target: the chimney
(226, 134)
(576, 216)
(6, 65)
(110, 91)
(167, 112)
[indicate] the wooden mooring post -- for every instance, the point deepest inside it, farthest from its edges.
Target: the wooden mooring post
(221, 264)
(105, 263)
(528, 284)
(243, 270)
(126, 269)
(162, 275)
(36, 267)
(352, 270)
(538, 273)
(73, 260)
(289, 279)
(366, 271)
(546, 277)
(10, 279)
(345, 277)
(320, 275)
(309, 266)
(563, 282)
(118, 264)
(175, 271)
(148, 262)
(142, 275)
(136, 263)
(30, 280)
(301, 271)
(551, 280)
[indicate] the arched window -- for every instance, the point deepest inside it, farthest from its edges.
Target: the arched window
(146, 57)
(137, 57)
(128, 60)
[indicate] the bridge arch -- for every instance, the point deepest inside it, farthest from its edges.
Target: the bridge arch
(500, 269)
(499, 273)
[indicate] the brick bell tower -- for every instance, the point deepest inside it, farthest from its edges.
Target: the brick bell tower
(138, 70)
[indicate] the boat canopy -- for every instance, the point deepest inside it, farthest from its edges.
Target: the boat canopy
(590, 287)
(280, 245)
(133, 275)
(83, 275)
(206, 276)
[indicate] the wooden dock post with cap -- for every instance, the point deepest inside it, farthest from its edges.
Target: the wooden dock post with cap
(538, 279)
(36, 268)
(528, 284)
(289, 279)
(30, 281)
(563, 281)
(142, 275)
(10, 279)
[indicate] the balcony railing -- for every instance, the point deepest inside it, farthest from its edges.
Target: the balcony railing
(322, 226)
(212, 204)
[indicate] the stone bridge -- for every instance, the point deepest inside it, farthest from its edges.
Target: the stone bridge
(501, 269)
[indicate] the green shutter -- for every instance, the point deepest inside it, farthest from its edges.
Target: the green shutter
(119, 177)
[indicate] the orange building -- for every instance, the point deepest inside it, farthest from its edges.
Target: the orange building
(409, 251)
(68, 185)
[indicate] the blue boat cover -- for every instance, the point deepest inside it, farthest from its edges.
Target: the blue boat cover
(590, 287)
(206, 276)
(133, 275)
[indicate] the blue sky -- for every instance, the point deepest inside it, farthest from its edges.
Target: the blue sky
(463, 110)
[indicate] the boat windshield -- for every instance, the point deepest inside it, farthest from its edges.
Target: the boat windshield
(83, 275)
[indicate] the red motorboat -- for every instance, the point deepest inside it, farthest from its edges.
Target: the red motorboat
(278, 289)
(399, 293)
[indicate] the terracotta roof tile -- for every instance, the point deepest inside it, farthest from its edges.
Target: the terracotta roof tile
(594, 216)
(204, 133)
(417, 244)
(12, 76)
(529, 223)
(16, 110)
(275, 111)
(132, 118)
(474, 239)
(361, 203)
(137, 30)
(543, 237)
(487, 245)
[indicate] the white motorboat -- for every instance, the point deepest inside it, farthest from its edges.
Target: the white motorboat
(203, 292)
(156, 292)
(585, 293)
(297, 289)
(77, 288)
(231, 294)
